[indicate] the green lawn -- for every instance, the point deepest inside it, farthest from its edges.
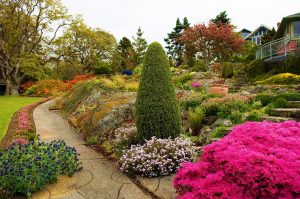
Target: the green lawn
(8, 106)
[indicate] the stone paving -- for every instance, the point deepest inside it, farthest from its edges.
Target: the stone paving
(99, 177)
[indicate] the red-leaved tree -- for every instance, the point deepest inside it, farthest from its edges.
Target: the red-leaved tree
(212, 42)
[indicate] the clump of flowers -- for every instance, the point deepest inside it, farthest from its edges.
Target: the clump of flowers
(24, 119)
(157, 157)
(125, 133)
(196, 84)
(20, 141)
(29, 167)
(256, 160)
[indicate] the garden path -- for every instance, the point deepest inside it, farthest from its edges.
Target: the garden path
(99, 177)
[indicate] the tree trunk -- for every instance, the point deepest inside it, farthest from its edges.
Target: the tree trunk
(11, 88)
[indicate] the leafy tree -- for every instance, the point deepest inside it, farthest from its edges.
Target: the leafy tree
(127, 53)
(140, 46)
(82, 46)
(268, 37)
(25, 29)
(175, 46)
(221, 18)
(247, 55)
(212, 42)
(157, 110)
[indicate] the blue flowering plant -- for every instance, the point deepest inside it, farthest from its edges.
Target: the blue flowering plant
(27, 168)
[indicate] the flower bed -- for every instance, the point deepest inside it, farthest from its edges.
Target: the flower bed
(28, 167)
(21, 126)
(157, 157)
(256, 160)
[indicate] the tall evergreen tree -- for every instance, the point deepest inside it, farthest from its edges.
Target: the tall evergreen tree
(221, 18)
(127, 52)
(140, 46)
(174, 46)
(268, 37)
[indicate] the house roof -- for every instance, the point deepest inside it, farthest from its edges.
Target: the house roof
(245, 30)
(261, 26)
(284, 21)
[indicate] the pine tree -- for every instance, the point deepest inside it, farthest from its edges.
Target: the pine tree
(157, 110)
(174, 46)
(127, 52)
(140, 46)
(221, 18)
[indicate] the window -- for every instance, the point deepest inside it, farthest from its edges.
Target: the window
(297, 28)
(258, 41)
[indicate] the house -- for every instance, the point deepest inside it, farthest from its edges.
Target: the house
(245, 32)
(285, 42)
(256, 35)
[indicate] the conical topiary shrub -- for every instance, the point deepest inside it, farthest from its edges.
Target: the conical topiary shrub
(157, 110)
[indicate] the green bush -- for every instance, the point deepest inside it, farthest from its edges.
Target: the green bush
(290, 96)
(138, 69)
(227, 70)
(282, 78)
(264, 98)
(157, 110)
(195, 119)
(280, 103)
(184, 66)
(30, 167)
(254, 68)
(102, 69)
(184, 78)
(199, 65)
(291, 65)
(191, 103)
(255, 116)
(220, 132)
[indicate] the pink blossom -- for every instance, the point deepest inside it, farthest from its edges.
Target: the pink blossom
(196, 84)
(256, 160)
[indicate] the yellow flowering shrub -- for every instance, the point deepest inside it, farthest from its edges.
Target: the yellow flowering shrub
(283, 78)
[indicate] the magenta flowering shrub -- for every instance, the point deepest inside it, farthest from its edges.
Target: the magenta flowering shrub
(157, 157)
(196, 84)
(256, 160)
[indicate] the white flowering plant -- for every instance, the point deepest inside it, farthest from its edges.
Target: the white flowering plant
(157, 157)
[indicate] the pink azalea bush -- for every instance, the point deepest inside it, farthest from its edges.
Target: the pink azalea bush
(157, 157)
(256, 160)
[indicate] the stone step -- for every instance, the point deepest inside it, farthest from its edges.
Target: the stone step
(294, 104)
(279, 119)
(286, 112)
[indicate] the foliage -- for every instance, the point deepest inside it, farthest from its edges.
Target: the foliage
(221, 18)
(280, 103)
(199, 65)
(157, 157)
(256, 160)
(127, 53)
(157, 110)
(28, 168)
(195, 119)
(174, 46)
(254, 68)
(192, 102)
(219, 132)
(227, 70)
(212, 42)
(127, 72)
(47, 88)
(77, 79)
(24, 37)
(291, 65)
(264, 98)
(124, 138)
(102, 69)
(138, 69)
(248, 54)
(82, 45)
(140, 45)
(268, 37)
(184, 78)
(292, 96)
(283, 78)
(254, 116)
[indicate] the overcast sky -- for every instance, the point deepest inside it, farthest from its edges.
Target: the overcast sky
(157, 17)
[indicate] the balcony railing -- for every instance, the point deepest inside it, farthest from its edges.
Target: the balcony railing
(278, 48)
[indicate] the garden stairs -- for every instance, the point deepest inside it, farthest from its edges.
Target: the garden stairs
(286, 114)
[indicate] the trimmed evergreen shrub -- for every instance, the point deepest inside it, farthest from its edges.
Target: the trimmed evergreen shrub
(227, 70)
(157, 110)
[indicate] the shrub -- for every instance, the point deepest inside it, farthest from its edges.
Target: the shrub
(264, 98)
(184, 78)
(157, 110)
(280, 103)
(28, 168)
(219, 132)
(191, 103)
(157, 157)
(256, 160)
(227, 70)
(254, 116)
(254, 68)
(127, 72)
(283, 78)
(47, 88)
(291, 65)
(77, 79)
(138, 70)
(102, 69)
(184, 66)
(293, 96)
(199, 65)
(195, 119)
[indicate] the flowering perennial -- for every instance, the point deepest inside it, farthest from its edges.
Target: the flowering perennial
(157, 157)
(256, 160)
(195, 84)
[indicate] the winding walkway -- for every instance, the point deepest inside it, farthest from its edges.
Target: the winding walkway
(98, 179)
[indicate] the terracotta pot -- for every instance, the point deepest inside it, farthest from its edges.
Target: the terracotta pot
(218, 89)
